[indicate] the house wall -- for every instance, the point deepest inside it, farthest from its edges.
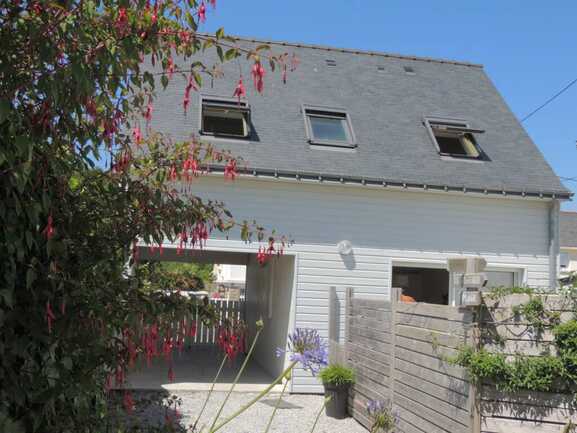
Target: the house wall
(383, 226)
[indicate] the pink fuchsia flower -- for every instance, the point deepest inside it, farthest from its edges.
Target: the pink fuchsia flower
(173, 173)
(239, 91)
(213, 3)
(170, 67)
(137, 135)
(202, 13)
(261, 256)
(128, 402)
(149, 109)
(189, 86)
(121, 23)
(48, 231)
(258, 74)
(230, 170)
(50, 317)
(154, 17)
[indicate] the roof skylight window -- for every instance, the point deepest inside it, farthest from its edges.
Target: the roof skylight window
(225, 118)
(329, 127)
(454, 139)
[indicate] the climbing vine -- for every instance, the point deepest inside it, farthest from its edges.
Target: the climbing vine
(555, 370)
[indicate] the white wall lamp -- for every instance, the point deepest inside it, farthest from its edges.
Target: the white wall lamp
(345, 248)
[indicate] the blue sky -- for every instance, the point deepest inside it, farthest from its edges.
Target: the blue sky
(528, 47)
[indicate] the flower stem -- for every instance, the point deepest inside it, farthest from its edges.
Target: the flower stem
(320, 411)
(210, 392)
(254, 400)
(242, 367)
(276, 406)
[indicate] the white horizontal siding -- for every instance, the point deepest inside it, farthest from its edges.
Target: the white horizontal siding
(383, 226)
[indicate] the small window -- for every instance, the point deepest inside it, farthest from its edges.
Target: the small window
(454, 139)
(328, 127)
(225, 118)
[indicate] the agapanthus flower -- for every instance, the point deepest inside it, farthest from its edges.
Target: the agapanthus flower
(375, 407)
(306, 347)
(383, 417)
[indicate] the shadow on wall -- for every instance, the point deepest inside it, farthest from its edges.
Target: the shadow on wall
(349, 260)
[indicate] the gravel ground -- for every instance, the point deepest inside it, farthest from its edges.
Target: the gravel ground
(295, 415)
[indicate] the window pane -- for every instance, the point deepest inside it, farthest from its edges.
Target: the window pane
(450, 145)
(327, 128)
(500, 279)
(225, 122)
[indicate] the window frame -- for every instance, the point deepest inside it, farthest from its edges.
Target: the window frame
(330, 113)
(217, 102)
(458, 127)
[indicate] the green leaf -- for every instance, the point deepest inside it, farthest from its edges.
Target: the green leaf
(231, 54)
(220, 53)
(5, 108)
(74, 182)
(220, 33)
(30, 277)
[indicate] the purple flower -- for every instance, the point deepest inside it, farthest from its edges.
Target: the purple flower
(384, 418)
(375, 407)
(306, 347)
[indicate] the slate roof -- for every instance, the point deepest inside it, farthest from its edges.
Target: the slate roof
(386, 107)
(568, 229)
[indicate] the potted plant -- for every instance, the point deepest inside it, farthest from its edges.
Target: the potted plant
(337, 379)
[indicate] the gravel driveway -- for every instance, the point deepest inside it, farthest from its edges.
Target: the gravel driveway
(296, 414)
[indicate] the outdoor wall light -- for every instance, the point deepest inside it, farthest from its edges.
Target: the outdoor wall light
(345, 248)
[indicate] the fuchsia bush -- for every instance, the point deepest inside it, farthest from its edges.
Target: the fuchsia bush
(75, 97)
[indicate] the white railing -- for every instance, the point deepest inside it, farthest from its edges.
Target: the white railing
(225, 309)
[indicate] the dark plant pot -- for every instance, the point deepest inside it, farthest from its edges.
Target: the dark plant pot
(337, 405)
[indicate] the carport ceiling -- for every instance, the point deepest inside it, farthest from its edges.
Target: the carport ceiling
(196, 256)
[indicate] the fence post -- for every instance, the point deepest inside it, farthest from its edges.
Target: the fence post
(349, 295)
(474, 390)
(395, 297)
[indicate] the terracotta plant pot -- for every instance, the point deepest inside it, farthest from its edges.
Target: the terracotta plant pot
(337, 405)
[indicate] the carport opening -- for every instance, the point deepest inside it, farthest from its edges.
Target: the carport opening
(429, 285)
(240, 289)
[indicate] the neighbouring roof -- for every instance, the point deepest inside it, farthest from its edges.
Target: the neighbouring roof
(568, 229)
(386, 108)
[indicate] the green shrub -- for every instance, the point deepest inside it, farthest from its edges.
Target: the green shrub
(566, 337)
(336, 374)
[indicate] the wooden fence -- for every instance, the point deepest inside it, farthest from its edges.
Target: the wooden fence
(400, 350)
(225, 309)
(397, 350)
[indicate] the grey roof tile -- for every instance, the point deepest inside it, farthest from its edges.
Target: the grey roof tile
(386, 110)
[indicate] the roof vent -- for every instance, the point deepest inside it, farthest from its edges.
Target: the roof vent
(380, 68)
(331, 62)
(409, 70)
